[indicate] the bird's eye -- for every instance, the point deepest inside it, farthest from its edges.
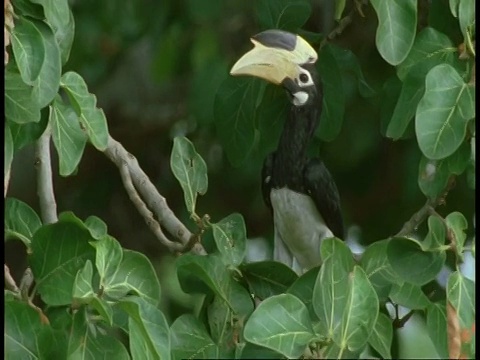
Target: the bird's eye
(304, 78)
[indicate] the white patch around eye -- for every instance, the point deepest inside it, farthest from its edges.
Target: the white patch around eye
(300, 98)
(308, 82)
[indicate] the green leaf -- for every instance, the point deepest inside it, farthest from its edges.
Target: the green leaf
(220, 321)
(82, 286)
(46, 85)
(190, 170)
(235, 115)
(190, 339)
(59, 251)
(280, 323)
(108, 257)
(85, 104)
(360, 312)
(466, 15)
(378, 269)
(303, 289)
(22, 331)
(149, 335)
(59, 16)
(331, 117)
(104, 309)
(97, 227)
(28, 48)
(268, 278)
(430, 49)
(230, 236)
(339, 8)
(461, 294)
(413, 264)
(433, 176)
(68, 138)
(412, 91)
(25, 134)
(330, 293)
(135, 273)
(282, 14)
(397, 21)
(8, 156)
(88, 343)
(212, 272)
(21, 221)
(382, 336)
(437, 328)
(409, 295)
(454, 7)
(27, 8)
(435, 239)
(443, 112)
(457, 224)
(252, 351)
(20, 106)
(461, 158)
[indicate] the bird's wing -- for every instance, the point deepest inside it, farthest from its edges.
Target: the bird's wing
(321, 187)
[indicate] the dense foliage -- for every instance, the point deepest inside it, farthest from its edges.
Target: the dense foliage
(86, 295)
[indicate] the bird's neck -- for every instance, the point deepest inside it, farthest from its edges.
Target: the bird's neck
(291, 155)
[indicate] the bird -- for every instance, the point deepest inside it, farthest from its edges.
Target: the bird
(299, 190)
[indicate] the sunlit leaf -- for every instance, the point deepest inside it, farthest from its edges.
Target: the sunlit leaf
(443, 112)
(397, 21)
(20, 106)
(280, 323)
(382, 336)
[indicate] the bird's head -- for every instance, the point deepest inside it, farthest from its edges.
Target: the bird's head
(282, 58)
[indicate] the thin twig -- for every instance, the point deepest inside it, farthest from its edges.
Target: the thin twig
(43, 163)
(145, 212)
(150, 195)
(427, 209)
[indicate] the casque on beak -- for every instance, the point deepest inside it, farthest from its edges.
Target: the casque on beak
(276, 55)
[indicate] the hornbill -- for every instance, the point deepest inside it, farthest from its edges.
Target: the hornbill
(299, 190)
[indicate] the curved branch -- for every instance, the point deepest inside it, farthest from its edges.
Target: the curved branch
(43, 163)
(153, 199)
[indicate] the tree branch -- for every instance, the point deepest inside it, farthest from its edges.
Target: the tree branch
(148, 197)
(427, 209)
(43, 163)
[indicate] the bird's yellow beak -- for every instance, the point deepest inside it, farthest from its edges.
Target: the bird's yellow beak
(276, 55)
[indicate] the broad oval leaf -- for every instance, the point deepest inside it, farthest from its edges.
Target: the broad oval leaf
(397, 22)
(378, 269)
(461, 294)
(83, 291)
(330, 293)
(236, 116)
(59, 251)
(412, 263)
(28, 48)
(360, 312)
(410, 296)
(230, 236)
(443, 112)
(108, 257)
(20, 106)
(282, 14)
(382, 336)
(190, 339)
(197, 272)
(21, 221)
(268, 278)
(46, 85)
(435, 239)
(85, 104)
(430, 48)
(149, 334)
(280, 323)
(303, 289)
(68, 137)
(190, 170)
(437, 328)
(432, 176)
